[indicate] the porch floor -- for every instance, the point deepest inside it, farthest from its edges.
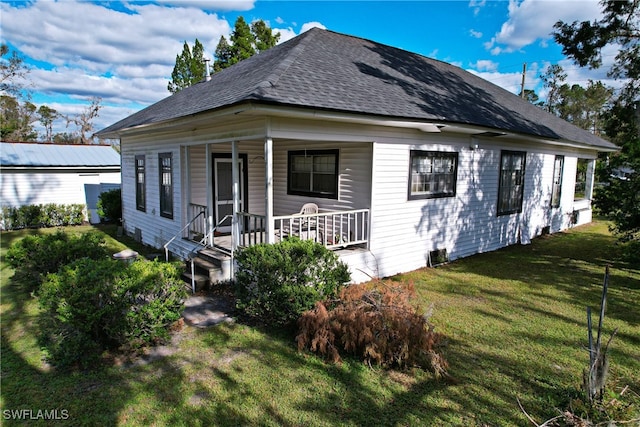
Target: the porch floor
(223, 241)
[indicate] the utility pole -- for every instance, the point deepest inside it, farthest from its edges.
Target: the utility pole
(524, 74)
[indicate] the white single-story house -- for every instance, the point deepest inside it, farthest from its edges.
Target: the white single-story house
(409, 160)
(39, 173)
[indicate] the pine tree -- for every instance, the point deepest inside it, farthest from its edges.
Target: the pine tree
(189, 68)
(244, 42)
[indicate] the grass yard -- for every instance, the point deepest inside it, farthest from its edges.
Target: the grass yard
(515, 321)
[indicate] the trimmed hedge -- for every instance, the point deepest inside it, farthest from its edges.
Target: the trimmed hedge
(41, 216)
(90, 307)
(110, 205)
(277, 283)
(34, 257)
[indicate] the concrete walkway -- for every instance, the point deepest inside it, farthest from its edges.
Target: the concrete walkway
(203, 311)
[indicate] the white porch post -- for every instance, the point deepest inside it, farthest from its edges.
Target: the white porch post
(210, 201)
(268, 190)
(235, 176)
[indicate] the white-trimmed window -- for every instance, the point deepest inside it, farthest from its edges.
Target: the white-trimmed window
(584, 179)
(432, 174)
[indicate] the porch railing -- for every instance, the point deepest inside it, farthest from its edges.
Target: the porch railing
(337, 229)
(198, 227)
(253, 227)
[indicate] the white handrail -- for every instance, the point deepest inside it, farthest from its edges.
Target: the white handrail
(179, 233)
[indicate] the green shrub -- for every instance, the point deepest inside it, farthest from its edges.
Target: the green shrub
(277, 283)
(37, 216)
(155, 295)
(110, 205)
(35, 256)
(90, 307)
(81, 313)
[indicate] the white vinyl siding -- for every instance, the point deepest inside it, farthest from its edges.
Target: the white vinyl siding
(403, 232)
(373, 173)
(155, 230)
(354, 187)
(40, 186)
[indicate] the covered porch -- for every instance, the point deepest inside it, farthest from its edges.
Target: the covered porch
(335, 230)
(238, 193)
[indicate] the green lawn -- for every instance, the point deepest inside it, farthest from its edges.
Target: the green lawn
(515, 321)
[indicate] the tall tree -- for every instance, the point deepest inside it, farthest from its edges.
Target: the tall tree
(189, 68)
(84, 122)
(264, 37)
(244, 42)
(16, 120)
(13, 71)
(223, 55)
(47, 116)
(553, 79)
(583, 42)
(584, 107)
(532, 97)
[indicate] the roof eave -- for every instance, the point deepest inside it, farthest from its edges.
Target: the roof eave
(176, 122)
(427, 126)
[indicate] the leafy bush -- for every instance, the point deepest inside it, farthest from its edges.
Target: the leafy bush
(277, 283)
(91, 306)
(37, 216)
(81, 313)
(375, 322)
(35, 256)
(110, 205)
(155, 295)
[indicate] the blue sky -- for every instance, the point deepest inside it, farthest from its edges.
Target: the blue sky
(124, 52)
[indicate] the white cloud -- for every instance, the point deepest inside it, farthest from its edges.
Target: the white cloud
(485, 65)
(285, 34)
(475, 34)
(309, 25)
(289, 33)
(476, 5)
(509, 81)
(211, 4)
(531, 20)
(84, 49)
(279, 20)
(150, 35)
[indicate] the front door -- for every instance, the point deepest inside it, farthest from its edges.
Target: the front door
(223, 189)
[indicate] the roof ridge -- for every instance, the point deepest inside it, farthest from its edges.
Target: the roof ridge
(272, 79)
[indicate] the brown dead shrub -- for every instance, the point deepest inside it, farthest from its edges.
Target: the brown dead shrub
(375, 322)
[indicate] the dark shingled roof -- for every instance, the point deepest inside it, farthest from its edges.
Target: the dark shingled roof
(322, 69)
